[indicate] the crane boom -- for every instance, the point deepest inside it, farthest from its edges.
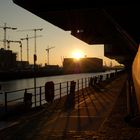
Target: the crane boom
(40, 29)
(30, 37)
(49, 48)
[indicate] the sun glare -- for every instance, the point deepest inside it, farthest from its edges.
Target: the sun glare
(77, 54)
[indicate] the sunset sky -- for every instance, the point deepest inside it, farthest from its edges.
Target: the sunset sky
(63, 42)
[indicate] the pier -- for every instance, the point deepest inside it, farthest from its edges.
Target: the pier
(98, 113)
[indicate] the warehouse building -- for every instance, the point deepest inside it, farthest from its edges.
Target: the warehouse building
(7, 59)
(83, 65)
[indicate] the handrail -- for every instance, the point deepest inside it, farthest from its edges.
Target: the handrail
(60, 90)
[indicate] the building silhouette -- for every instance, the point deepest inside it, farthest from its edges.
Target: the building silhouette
(83, 65)
(7, 60)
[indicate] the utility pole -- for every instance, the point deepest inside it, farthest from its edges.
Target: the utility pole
(48, 50)
(35, 30)
(27, 39)
(35, 57)
(5, 28)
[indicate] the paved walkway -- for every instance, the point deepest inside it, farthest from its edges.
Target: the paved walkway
(86, 120)
(115, 126)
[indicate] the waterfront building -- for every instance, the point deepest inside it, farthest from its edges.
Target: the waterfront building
(7, 60)
(83, 65)
(22, 65)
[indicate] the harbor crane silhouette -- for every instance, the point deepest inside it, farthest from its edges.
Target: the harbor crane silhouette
(35, 36)
(48, 50)
(5, 27)
(27, 39)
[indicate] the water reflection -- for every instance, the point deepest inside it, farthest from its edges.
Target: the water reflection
(29, 83)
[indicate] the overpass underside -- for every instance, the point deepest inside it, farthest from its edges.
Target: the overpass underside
(114, 24)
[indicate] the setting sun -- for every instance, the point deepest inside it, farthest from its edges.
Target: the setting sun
(77, 54)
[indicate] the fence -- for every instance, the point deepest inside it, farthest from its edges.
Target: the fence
(15, 98)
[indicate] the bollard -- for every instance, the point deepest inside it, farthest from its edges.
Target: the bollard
(70, 102)
(28, 100)
(95, 80)
(101, 78)
(49, 91)
(72, 87)
(107, 76)
(91, 82)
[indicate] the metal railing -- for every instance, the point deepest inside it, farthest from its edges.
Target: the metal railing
(16, 97)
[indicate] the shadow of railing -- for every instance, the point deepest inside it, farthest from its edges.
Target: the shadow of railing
(58, 120)
(15, 101)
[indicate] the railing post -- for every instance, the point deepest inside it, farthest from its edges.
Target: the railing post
(25, 90)
(78, 85)
(67, 87)
(85, 82)
(40, 95)
(106, 77)
(5, 101)
(60, 91)
(82, 85)
(35, 95)
(88, 81)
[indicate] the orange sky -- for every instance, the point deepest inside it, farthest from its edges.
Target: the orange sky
(64, 43)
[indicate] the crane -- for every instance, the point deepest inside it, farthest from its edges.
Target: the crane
(5, 28)
(35, 30)
(27, 39)
(9, 41)
(48, 50)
